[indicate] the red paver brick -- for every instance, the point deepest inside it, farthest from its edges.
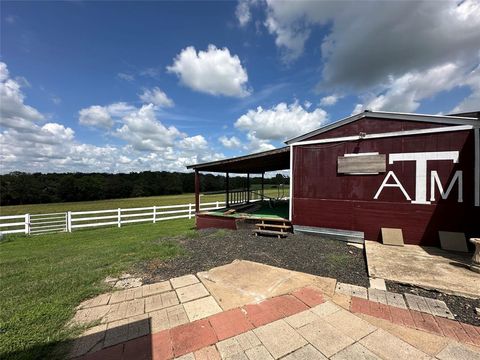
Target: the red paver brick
(192, 337)
(138, 349)
(162, 345)
(288, 305)
(311, 297)
(208, 353)
(401, 316)
(426, 322)
(473, 332)
(110, 353)
(360, 305)
(262, 313)
(379, 310)
(230, 323)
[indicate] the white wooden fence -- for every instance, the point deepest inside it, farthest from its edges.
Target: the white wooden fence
(70, 220)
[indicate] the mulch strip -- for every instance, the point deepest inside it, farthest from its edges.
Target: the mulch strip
(305, 253)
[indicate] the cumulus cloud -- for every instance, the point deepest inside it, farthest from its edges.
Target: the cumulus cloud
(156, 97)
(144, 132)
(29, 146)
(280, 122)
(329, 100)
(405, 93)
(95, 115)
(214, 71)
(13, 111)
(230, 142)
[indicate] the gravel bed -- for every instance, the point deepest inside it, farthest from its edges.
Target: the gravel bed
(305, 253)
(462, 308)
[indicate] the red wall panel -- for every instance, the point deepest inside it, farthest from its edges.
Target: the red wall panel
(323, 198)
(204, 221)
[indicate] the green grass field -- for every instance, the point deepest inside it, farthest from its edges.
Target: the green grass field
(117, 203)
(43, 278)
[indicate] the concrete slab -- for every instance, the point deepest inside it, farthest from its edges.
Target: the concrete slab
(258, 353)
(378, 284)
(455, 241)
(248, 340)
(427, 267)
(325, 309)
(182, 281)
(392, 236)
(377, 295)
(201, 308)
(395, 299)
(306, 353)
(355, 351)
(279, 338)
(458, 352)
(389, 347)
(326, 338)
(191, 292)
(245, 282)
(417, 303)
(350, 325)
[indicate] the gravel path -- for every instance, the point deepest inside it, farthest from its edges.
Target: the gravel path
(306, 253)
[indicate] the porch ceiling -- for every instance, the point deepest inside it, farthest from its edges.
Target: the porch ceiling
(272, 160)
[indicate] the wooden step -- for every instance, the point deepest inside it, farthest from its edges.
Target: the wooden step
(279, 234)
(274, 220)
(274, 226)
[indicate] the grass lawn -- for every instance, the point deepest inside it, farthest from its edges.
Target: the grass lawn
(43, 278)
(117, 203)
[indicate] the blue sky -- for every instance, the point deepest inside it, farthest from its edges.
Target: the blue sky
(131, 86)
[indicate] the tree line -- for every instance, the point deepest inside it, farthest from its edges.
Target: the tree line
(19, 188)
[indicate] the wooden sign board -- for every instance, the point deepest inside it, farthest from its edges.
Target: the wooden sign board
(362, 164)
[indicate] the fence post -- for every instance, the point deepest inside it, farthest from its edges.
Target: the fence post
(154, 214)
(218, 206)
(69, 221)
(190, 210)
(119, 217)
(27, 224)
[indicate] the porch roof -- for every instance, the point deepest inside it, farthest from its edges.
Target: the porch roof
(271, 160)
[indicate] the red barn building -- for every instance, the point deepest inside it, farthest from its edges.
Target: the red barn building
(419, 173)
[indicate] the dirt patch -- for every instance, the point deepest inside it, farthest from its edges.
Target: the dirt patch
(462, 308)
(305, 253)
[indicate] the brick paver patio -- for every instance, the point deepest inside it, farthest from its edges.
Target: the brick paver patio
(184, 321)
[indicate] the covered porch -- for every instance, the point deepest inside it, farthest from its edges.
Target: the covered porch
(247, 202)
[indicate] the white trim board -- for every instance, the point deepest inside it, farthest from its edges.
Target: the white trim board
(386, 135)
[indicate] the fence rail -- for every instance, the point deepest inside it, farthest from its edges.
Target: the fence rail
(70, 220)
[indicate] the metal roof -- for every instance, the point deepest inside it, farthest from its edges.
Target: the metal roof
(271, 160)
(440, 119)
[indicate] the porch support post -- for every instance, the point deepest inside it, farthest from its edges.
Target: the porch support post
(227, 190)
(248, 188)
(197, 191)
(263, 177)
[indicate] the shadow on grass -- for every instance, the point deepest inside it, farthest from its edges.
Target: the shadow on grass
(126, 341)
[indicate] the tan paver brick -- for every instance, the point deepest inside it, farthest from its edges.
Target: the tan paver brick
(350, 324)
(126, 329)
(88, 340)
(229, 348)
(258, 353)
(301, 319)
(351, 290)
(201, 308)
(326, 338)
(167, 318)
(182, 281)
(279, 338)
(96, 301)
(356, 352)
(248, 340)
(417, 303)
(455, 351)
(189, 356)
(207, 353)
(85, 316)
(118, 296)
(388, 347)
(135, 307)
(160, 301)
(157, 288)
(306, 353)
(192, 292)
(325, 309)
(377, 295)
